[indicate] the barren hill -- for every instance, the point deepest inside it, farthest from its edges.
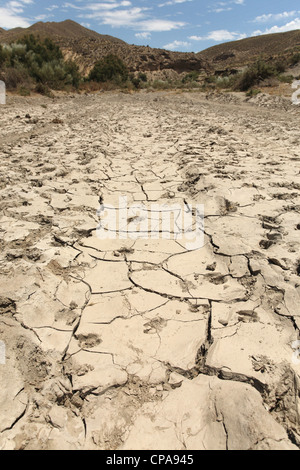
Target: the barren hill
(86, 47)
(245, 51)
(66, 29)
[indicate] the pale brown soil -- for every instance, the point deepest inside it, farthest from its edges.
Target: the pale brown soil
(141, 343)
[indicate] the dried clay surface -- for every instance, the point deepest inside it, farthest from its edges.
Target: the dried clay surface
(143, 342)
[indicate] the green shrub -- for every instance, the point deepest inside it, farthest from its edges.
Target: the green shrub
(295, 59)
(142, 77)
(253, 92)
(43, 90)
(110, 68)
(162, 84)
(135, 81)
(24, 91)
(191, 77)
(226, 82)
(44, 51)
(15, 77)
(258, 72)
(254, 74)
(211, 79)
(2, 55)
(41, 60)
(286, 78)
(138, 81)
(73, 75)
(280, 67)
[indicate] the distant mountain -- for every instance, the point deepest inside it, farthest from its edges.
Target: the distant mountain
(85, 47)
(246, 51)
(66, 29)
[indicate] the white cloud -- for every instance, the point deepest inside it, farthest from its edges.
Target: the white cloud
(99, 7)
(41, 17)
(157, 25)
(11, 14)
(107, 6)
(219, 36)
(15, 7)
(291, 26)
(113, 14)
(173, 2)
(224, 6)
(143, 35)
(220, 10)
(175, 45)
(52, 7)
(275, 16)
(118, 18)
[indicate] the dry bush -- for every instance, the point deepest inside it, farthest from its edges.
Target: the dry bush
(15, 77)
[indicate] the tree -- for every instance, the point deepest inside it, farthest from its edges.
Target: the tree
(110, 68)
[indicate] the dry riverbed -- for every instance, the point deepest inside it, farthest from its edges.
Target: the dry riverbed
(144, 343)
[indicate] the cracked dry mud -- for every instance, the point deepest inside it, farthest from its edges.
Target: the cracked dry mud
(141, 343)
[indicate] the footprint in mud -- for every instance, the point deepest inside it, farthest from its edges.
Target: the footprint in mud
(89, 341)
(7, 306)
(248, 316)
(274, 236)
(271, 224)
(216, 278)
(266, 244)
(155, 325)
(281, 263)
(211, 267)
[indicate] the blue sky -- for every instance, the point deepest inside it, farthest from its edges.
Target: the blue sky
(181, 25)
